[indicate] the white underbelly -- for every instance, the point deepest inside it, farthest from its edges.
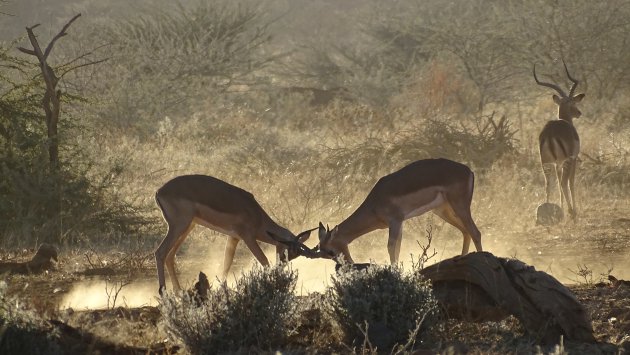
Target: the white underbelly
(420, 202)
(215, 228)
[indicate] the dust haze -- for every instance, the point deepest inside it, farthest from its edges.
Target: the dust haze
(420, 80)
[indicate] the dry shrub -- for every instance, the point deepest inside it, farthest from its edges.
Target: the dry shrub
(318, 329)
(259, 312)
(386, 301)
(611, 169)
(437, 89)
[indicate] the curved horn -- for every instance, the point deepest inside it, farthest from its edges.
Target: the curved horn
(549, 85)
(302, 249)
(575, 82)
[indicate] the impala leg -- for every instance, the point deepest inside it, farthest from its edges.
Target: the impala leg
(567, 172)
(547, 172)
(255, 249)
(170, 258)
(459, 217)
(345, 251)
(394, 241)
(560, 184)
(281, 254)
(573, 167)
(448, 215)
(473, 232)
(346, 254)
(175, 235)
(228, 256)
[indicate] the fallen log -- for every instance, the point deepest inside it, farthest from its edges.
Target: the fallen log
(41, 261)
(482, 287)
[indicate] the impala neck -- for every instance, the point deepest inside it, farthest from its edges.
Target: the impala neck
(278, 230)
(360, 222)
(564, 115)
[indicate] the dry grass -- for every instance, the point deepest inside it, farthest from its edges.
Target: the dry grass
(305, 166)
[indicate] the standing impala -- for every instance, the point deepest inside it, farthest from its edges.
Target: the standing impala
(197, 199)
(559, 143)
(439, 185)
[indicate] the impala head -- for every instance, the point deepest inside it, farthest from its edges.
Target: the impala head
(567, 109)
(326, 247)
(291, 249)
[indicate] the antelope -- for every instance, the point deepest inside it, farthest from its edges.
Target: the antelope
(199, 199)
(559, 142)
(442, 186)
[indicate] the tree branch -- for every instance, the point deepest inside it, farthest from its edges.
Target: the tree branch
(92, 62)
(59, 35)
(27, 51)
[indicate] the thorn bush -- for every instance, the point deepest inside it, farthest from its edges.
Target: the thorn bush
(260, 311)
(389, 300)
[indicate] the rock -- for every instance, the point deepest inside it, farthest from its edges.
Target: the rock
(482, 287)
(549, 214)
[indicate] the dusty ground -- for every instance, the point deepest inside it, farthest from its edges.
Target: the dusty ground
(578, 254)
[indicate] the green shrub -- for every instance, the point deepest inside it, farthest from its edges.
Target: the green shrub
(259, 312)
(39, 203)
(387, 301)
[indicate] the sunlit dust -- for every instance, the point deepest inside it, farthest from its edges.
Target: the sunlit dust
(101, 294)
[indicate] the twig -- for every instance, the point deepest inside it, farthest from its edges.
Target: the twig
(424, 256)
(411, 341)
(367, 345)
(114, 291)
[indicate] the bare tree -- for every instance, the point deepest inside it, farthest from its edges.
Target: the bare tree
(51, 102)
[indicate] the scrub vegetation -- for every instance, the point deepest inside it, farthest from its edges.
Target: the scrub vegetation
(305, 104)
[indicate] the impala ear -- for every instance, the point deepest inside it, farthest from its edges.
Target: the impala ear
(557, 99)
(323, 233)
(278, 239)
(302, 237)
(578, 98)
(333, 232)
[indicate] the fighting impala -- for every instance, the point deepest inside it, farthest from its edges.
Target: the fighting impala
(559, 143)
(198, 199)
(439, 185)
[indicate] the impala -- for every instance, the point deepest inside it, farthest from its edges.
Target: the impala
(439, 185)
(559, 143)
(198, 199)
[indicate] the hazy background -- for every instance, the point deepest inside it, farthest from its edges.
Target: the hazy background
(306, 104)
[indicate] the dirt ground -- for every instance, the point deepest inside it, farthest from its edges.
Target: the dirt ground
(580, 255)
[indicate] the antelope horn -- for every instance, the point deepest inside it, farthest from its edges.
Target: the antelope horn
(549, 85)
(575, 82)
(303, 249)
